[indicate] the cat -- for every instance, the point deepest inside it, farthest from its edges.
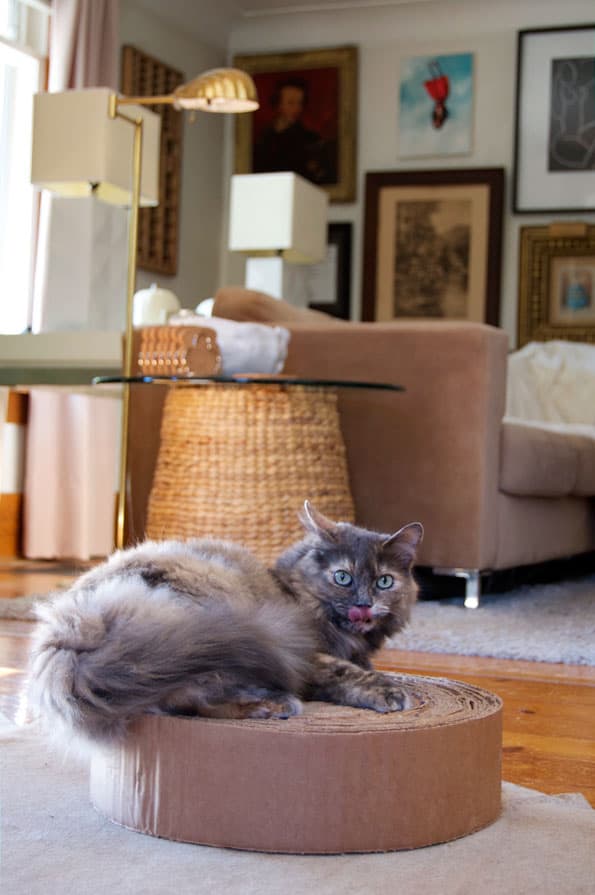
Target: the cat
(202, 627)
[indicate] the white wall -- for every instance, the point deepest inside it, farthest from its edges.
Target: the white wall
(202, 172)
(385, 35)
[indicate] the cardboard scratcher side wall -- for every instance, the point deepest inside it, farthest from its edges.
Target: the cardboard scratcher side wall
(331, 780)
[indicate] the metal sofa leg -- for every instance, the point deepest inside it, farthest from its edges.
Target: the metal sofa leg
(472, 584)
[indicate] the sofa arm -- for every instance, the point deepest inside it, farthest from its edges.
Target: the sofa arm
(430, 453)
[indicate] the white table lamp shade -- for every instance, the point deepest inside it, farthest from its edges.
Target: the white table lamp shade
(76, 145)
(279, 212)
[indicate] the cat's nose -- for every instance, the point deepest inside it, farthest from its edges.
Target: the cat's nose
(363, 600)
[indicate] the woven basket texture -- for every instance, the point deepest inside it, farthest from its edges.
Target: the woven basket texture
(238, 461)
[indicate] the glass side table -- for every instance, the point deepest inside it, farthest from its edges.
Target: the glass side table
(238, 455)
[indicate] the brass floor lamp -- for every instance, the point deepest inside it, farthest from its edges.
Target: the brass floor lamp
(216, 90)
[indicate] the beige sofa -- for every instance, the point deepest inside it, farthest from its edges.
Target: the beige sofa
(492, 493)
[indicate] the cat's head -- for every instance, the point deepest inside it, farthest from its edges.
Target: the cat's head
(362, 578)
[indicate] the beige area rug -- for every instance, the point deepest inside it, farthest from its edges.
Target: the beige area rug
(540, 623)
(54, 842)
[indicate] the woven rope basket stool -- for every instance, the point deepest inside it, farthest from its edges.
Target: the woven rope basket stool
(331, 780)
(237, 461)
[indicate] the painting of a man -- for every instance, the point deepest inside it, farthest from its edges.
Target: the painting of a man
(291, 134)
(306, 118)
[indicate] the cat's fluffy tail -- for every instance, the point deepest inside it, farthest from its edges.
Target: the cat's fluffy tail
(101, 658)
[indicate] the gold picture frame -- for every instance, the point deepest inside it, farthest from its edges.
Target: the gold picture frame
(307, 118)
(432, 244)
(557, 283)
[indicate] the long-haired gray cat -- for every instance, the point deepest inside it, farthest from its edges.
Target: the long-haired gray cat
(203, 628)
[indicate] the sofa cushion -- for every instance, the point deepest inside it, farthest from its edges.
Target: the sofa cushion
(547, 459)
(238, 303)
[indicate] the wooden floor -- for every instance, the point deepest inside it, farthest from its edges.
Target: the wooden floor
(549, 710)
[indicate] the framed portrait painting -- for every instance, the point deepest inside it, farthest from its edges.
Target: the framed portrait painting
(306, 120)
(557, 283)
(436, 105)
(432, 244)
(554, 157)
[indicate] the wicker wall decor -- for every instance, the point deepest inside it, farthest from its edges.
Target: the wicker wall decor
(143, 75)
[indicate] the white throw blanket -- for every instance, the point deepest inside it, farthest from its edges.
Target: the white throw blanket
(552, 382)
(244, 347)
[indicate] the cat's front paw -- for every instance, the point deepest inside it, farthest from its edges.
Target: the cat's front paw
(384, 695)
(279, 707)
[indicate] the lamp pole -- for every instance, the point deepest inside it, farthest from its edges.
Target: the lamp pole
(137, 122)
(217, 90)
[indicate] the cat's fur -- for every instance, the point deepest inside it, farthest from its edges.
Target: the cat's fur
(203, 628)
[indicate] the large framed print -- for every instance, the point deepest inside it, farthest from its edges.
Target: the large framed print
(557, 283)
(432, 244)
(554, 159)
(307, 118)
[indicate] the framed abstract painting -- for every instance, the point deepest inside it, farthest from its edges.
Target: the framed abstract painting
(432, 244)
(554, 156)
(436, 105)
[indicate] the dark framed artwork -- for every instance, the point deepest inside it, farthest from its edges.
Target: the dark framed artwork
(329, 283)
(557, 283)
(554, 155)
(432, 244)
(307, 119)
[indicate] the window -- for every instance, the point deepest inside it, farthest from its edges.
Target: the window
(23, 50)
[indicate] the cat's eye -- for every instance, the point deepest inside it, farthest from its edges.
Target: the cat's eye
(343, 578)
(384, 582)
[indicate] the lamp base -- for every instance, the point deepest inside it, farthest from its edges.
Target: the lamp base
(280, 279)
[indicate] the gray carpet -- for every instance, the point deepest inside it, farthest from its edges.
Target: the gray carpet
(542, 623)
(54, 843)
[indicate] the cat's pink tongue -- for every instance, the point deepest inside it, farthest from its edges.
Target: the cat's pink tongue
(360, 614)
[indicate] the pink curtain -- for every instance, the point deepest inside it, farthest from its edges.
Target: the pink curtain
(84, 44)
(72, 439)
(72, 447)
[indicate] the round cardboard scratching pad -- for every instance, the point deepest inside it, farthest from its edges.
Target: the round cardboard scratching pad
(332, 780)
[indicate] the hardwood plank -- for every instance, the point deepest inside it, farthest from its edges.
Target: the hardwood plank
(445, 664)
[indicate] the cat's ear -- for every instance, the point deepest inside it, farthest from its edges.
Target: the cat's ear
(404, 542)
(318, 524)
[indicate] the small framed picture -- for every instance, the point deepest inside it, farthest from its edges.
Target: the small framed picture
(307, 118)
(436, 105)
(329, 283)
(432, 244)
(557, 283)
(554, 153)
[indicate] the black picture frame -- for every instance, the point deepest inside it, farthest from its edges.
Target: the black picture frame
(339, 235)
(547, 179)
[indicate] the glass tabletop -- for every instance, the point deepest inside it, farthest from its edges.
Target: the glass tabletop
(245, 379)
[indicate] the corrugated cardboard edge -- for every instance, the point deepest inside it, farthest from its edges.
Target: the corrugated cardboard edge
(276, 789)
